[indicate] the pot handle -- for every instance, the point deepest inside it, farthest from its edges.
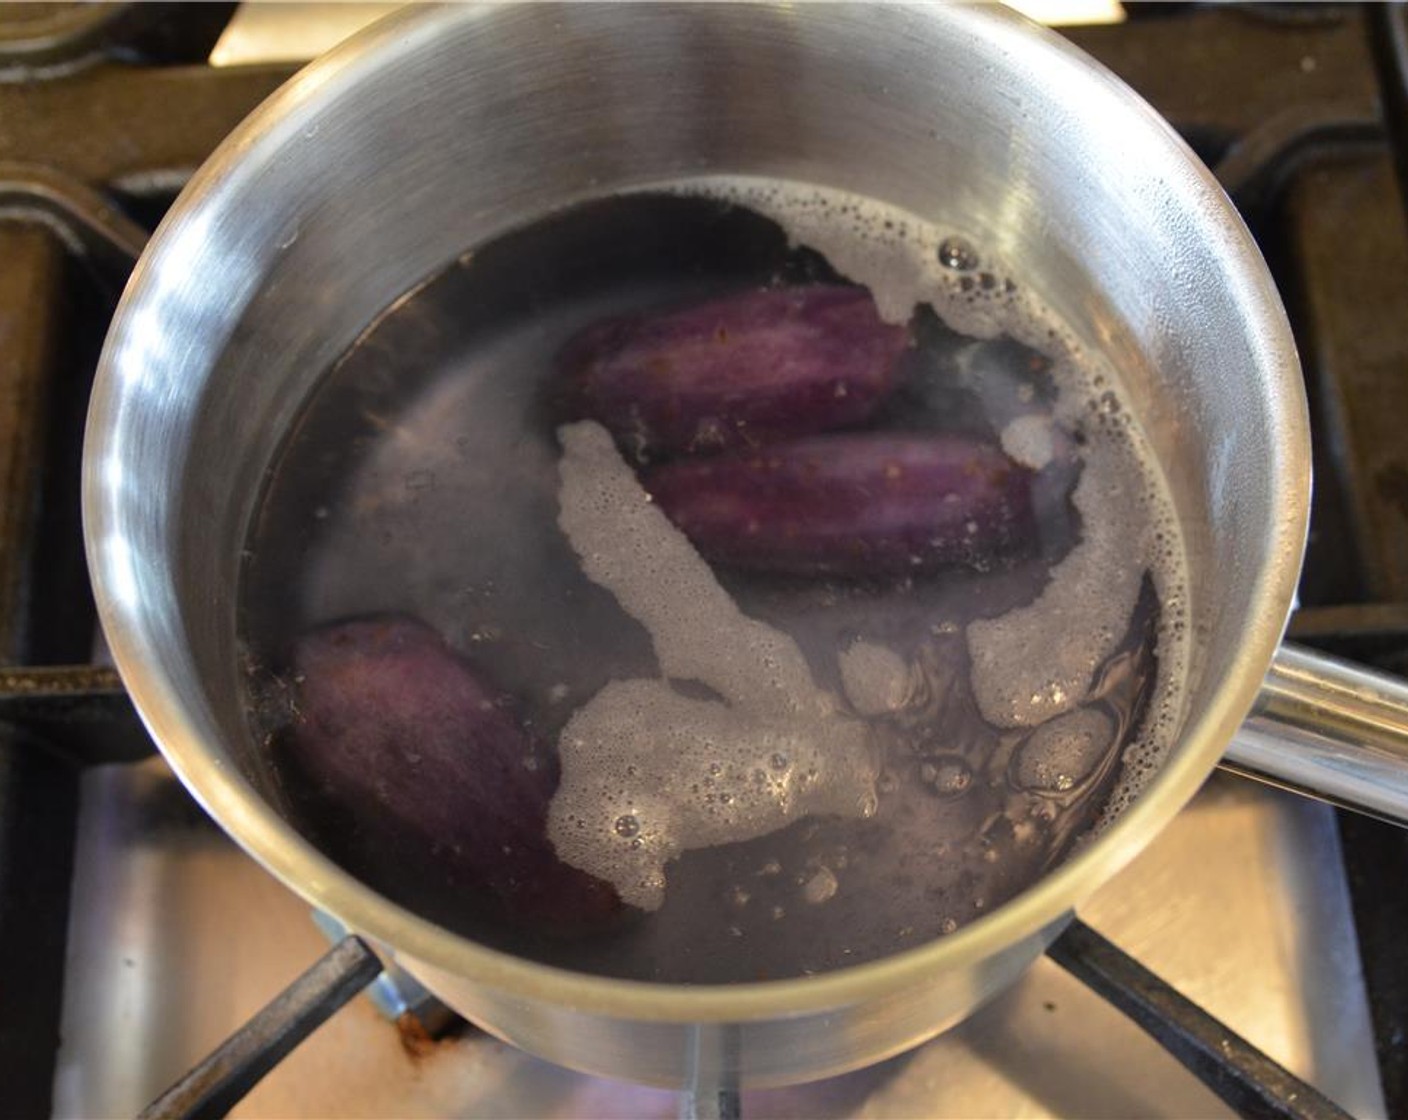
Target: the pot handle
(1329, 729)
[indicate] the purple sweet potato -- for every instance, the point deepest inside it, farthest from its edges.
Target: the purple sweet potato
(735, 372)
(401, 735)
(866, 504)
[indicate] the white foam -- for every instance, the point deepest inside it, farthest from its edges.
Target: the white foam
(891, 251)
(1062, 753)
(876, 680)
(821, 886)
(647, 772)
(1036, 662)
(1033, 663)
(1029, 440)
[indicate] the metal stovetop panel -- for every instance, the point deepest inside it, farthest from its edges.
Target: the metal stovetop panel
(178, 937)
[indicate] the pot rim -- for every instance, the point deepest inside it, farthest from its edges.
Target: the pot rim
(1038, 910)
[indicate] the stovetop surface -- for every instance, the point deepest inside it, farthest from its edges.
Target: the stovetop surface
(178, 938)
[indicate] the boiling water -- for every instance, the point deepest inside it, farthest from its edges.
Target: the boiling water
(777, 775)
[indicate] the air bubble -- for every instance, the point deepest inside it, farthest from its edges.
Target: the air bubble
(946, 775)
(958, 254)
(626, 826)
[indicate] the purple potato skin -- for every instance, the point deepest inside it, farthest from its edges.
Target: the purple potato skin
(399, 733)
(852, 505)
(735, 372)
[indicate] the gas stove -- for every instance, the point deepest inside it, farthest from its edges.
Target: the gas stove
(135, 937)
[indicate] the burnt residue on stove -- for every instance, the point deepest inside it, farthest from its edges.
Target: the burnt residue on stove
(425, 1033)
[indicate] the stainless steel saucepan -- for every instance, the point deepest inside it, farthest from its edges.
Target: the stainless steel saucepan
(440, 128)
